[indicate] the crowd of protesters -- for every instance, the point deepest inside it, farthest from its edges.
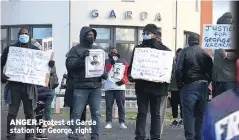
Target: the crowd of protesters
(193, 70)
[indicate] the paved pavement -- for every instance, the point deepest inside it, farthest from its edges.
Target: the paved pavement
(114, 134)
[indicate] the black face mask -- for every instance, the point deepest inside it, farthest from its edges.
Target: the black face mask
(149, 42)
(89, 40)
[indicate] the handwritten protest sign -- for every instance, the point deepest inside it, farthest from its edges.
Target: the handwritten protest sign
(28, 66)
(117, 72)
(152, 65)
(47, 44)
(217, 36)
(95, 63)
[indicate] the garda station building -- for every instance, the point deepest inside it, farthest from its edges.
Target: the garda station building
(119, 23)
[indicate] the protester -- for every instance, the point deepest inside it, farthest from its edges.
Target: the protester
(149, 92)
(53, 83)
(85, 89)
(193, 75)
(115, 91)
(43, 94)
(15, 92)
(224, 69)
(175, 96)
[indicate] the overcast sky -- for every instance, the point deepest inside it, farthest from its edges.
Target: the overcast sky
(219, 8)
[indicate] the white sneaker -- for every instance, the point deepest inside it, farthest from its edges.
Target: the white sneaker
(122, 125)
(108, 126)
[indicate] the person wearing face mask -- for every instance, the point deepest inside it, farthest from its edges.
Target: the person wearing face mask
(86, 90)
(149, 93)
(15, 92)
(115, 91)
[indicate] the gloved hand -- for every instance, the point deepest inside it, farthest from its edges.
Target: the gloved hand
(4, 78)
(86, 53)
(51, 63)
(131, 79)
(119, 83)
(104, 76)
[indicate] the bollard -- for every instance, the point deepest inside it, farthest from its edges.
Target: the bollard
(57, 105)
(115, 111)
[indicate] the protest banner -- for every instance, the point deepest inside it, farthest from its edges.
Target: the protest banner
(152, 65)
(28, 66)
(116, 73)
(217, 36)
(47, 44)
(95, 63)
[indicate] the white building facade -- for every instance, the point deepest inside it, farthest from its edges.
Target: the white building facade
(119, 23)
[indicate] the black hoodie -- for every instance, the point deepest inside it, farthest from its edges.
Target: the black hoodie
(75, 63)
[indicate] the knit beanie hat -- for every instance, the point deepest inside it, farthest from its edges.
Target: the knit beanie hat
(151, 28)
(226, 18)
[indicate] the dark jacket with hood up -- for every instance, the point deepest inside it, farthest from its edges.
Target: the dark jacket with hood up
(143, 86)
(75, 63)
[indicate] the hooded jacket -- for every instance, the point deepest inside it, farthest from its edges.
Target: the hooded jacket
(76, 63)
(43, 92)
(108, 66)
(143, 86)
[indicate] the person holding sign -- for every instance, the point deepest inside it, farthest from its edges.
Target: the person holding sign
(149, 92)
(85, 89)
(15, 92)
(115, 87)
(193, 75)
(224, 69)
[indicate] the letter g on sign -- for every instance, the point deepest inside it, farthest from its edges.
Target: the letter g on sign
(95, 13)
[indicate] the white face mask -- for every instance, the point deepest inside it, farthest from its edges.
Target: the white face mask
(147, 37)
(115, 58)
(24, 38)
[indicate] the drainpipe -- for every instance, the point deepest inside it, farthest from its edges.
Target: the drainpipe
(70, 24)
(176, 25)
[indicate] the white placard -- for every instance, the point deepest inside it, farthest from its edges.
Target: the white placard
(95, 63)
(116, 72)
(28, 66)
(47, 44)
(217, 36)
(152, 65)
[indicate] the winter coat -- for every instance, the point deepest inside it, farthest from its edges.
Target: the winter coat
(110, 85)
(193, 64)
(148, 87)
(173, 83)
(43, 92)
(76, 63)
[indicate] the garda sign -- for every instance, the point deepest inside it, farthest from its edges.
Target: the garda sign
(128, 15)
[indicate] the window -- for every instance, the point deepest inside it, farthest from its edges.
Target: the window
(39, 33)
(10, 33)
(122, 38)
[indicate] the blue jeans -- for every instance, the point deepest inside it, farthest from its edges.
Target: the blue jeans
(48, 111)
(80, 98)
(194, 100)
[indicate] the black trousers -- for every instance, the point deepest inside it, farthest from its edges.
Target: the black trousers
(83, 116)
(119, 96)
(145, 100)
(220, 87)
(40, 111)
(175, 101)
(18, 94)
